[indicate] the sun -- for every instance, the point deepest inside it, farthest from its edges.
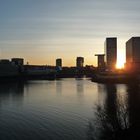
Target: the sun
(120, 63)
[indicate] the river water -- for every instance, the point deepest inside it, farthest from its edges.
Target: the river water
(66, 109)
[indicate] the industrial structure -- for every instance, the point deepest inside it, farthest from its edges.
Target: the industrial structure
(110, 53)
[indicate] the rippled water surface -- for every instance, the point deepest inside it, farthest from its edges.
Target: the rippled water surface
(53, 110)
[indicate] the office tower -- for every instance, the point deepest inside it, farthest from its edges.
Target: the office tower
(101, 62)
(133, 54)
(111, 53)
(59, 62)
(79, 62)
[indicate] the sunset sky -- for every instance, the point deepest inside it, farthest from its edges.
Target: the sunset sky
(42, 30)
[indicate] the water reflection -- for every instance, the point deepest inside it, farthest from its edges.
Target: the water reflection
(134, 107)
(80, 87)
(34, 110)
(101, 94)
(117, 119)
(11, 91)
(58, 87)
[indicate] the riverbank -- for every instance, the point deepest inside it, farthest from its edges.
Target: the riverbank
(115, 78)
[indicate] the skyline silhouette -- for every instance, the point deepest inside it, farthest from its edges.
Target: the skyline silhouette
(42, 31)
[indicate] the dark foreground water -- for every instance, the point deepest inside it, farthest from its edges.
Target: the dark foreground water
(67, 109)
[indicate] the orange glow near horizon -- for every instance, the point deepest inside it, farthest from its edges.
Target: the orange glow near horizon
(120, 65)
(120, 61)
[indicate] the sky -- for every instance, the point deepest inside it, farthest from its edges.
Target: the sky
(42, 30)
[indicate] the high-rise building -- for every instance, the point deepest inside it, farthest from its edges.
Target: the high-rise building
(133, 54)
(79, 62)
(59, 62)
(101, 62)
(111, 53)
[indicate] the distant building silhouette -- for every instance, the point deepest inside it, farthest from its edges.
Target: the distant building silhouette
(133, 54)
(59, 62)
(5, 61)
(111, 53)
(101, 62)
(7, 68)
(18, 61)
(79, 62)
